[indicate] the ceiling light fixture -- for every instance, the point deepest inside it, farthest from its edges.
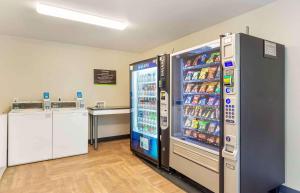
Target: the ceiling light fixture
(80, 17)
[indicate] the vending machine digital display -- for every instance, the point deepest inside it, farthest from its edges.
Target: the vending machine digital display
(149, 87)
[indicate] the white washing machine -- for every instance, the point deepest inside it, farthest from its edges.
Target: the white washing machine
(70, 132)
(29, 136)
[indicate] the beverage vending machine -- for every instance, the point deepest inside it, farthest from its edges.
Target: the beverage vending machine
(227, 114)
(149, 101)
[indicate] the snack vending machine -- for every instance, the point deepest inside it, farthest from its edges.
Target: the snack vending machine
(196, 121)
(227, 114)
(149, 100)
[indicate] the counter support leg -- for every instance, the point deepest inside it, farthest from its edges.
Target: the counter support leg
(91, 129)
(96, 133)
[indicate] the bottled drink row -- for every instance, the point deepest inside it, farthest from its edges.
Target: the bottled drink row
(147, 77)
(147, 103)
(148, 118)
(147, 89)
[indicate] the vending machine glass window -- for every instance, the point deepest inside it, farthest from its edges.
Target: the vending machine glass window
(196, 96)
(144, 98)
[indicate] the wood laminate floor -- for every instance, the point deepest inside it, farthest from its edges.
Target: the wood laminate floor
(111, 169)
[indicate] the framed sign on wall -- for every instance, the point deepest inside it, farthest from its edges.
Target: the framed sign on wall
(105, 77)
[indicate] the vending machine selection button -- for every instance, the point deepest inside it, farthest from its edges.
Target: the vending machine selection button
(228, 101)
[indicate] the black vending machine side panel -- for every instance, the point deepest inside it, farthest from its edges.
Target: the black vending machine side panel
(262, 115)
(164, 107)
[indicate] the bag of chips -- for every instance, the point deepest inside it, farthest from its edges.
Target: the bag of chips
(203, 87)
(211, 87)
(211, 101)
(211, 140)
(195, 88)
(196, 99)
(211, 72)
(217, 131)
(196, 60)
(195, 75)
(203, 59)
(188, 88)
(188, 63)
(187, 132)
(202, 125)
(195, 123)
(203, 101)
(202, 137)
(218, 72)
(203, 73)
(188, 99)
(218, 89)
(188, 123)
(189, 75)
(212, 126)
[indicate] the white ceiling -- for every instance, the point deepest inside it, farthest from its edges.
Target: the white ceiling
(151, 22)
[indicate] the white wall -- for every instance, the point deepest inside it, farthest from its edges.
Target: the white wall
(3, 143)
(280, 22)
(28, 67)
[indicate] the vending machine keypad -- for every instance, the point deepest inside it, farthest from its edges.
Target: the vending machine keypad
(230, 111)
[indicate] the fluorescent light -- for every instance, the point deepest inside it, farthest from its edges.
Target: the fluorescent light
(80, 17)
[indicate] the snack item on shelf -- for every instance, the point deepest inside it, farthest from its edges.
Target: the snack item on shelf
(217, 114)
(211, 101)
(203, 73)
(203, 101)
(195, 123)
(212, 126)
(196, 99)
(202, 125)
(200, 112)
(196, 112)
(211, 87)
(203, 59)
(218, 140)
(187, 132)
(217, 57)
(188, 122)
(192, 111)
(188, 63)
(211, 140)
(214, 57)
(195, 134)
(196, 75)
(218, 89)
(217, 131)
(218, 72)
(213, 114)
(217, 102)
(188, 99)
(203, 87)
(189, 87)
(189, 75)
(196, 60)
(202, 136)
(211, 72)
(206, 113)
(195, 88)
(187, 110)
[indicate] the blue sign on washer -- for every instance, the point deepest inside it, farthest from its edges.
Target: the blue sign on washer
(228, 101)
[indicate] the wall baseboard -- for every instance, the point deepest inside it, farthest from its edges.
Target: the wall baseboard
(284, 189)
(112, 138)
